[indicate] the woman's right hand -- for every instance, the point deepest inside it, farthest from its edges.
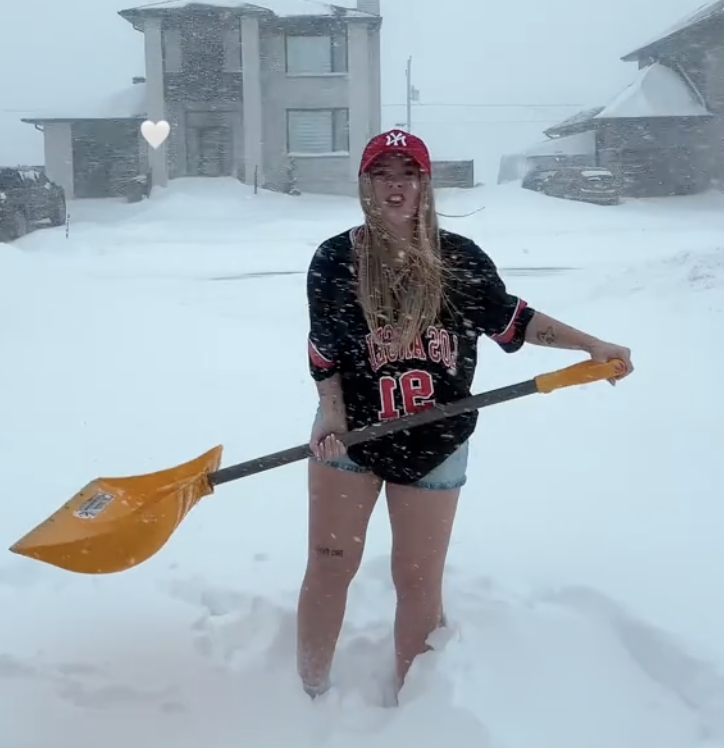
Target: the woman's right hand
(323, 442)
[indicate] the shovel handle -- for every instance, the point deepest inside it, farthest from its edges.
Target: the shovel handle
(582, 373)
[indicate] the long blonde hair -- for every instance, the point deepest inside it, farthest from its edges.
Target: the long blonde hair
(399, 286)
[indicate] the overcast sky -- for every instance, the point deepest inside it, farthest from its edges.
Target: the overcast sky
(479, 53)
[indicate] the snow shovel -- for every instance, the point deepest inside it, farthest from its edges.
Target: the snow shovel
(114, 524)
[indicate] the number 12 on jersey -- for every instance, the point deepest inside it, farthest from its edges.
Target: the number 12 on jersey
(406, 394)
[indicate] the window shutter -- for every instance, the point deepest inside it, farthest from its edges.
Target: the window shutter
(310, 131)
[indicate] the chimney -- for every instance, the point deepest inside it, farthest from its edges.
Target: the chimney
(369, 6)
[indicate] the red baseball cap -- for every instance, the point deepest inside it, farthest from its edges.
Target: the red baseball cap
(396, 141)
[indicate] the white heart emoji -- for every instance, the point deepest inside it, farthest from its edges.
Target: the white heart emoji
(154, 133)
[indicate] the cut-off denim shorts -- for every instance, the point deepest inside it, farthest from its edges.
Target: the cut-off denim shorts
(450, 475)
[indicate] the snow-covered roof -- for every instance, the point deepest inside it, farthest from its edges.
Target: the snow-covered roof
(129, 103)
(281, 8)
(580, 144)
(573, 123)
(702, 15)
(657, 91)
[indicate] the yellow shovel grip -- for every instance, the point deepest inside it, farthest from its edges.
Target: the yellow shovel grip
(583, 373)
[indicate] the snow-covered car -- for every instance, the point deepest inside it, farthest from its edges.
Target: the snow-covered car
(584, 183)
(28, 197)
(536, 178)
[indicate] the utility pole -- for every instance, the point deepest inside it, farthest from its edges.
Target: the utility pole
(409, 94)
(413, 95)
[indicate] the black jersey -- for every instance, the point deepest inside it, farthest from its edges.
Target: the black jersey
(380, 382)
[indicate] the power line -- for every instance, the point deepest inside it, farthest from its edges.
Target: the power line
(488, 121)
(446, 105)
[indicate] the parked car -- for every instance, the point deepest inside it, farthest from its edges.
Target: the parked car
(28, 197)
(584, 183)
(535, 179)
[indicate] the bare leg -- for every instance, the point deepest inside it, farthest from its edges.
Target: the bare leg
(422, 523)
(340, 506)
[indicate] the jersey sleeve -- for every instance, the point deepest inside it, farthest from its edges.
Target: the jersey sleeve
(493, 310)
(322, 340)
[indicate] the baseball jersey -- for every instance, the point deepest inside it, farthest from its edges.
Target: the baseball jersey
(380, 381)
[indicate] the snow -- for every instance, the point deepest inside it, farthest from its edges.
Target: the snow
(29, 173)
(128, 103)
(281, 8)
(583, 588)
(580, 144)
(657, 91)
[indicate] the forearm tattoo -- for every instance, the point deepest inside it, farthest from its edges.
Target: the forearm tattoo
(547, 336)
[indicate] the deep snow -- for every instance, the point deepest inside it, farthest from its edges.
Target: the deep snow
(583, 592)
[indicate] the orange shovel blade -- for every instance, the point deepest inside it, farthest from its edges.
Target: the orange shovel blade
(114, 524)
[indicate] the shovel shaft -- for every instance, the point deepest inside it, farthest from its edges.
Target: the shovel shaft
(582, 373)
(301, 452)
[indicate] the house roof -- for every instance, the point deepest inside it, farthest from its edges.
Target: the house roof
(705, 14)
(578, 144)
(280, 8)
(126, 104)
(577, 123)
(657, 91)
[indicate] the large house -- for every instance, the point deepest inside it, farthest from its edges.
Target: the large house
(664, 134)
(249, 90)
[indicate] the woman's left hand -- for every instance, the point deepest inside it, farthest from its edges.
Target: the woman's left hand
(602, 352)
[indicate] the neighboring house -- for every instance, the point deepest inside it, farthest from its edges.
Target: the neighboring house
(664, 134)
(247, 89)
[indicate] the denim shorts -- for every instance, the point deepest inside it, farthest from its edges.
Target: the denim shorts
(450, 475)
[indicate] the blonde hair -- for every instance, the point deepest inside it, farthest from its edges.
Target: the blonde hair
(401, 286)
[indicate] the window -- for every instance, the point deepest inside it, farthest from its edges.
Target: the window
(202, 51)
(32, 177)
(316, 55)
(10, 180)
(318, 131)
(171, 49)
(231, 37)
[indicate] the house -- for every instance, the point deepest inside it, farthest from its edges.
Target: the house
(664, 134)
(249, 91)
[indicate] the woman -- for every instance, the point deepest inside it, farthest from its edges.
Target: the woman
(396, 309)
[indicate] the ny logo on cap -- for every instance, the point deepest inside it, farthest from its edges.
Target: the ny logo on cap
(397, 139)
